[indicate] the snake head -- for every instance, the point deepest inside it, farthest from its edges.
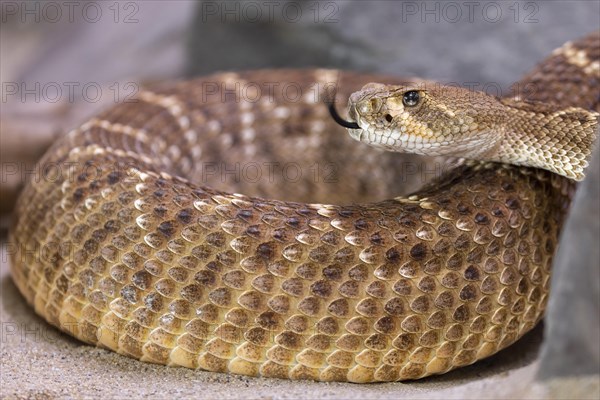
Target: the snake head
(431, 120)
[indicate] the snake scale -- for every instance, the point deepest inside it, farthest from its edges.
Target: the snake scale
(125, 248)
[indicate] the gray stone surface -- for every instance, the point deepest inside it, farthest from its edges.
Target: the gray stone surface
(398, 37)
(572, 343)
(102, 43)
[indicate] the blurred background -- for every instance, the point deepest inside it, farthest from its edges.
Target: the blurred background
(61, 62)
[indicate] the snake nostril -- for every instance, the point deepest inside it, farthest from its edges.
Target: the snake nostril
(388, 117)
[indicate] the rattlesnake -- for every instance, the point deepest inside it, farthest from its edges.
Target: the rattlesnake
(120, 248)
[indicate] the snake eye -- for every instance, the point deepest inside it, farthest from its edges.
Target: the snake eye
(410, 98)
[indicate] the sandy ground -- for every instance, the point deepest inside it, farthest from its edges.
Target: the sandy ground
(38, 361)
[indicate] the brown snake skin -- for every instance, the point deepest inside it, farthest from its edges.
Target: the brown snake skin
(119, 251)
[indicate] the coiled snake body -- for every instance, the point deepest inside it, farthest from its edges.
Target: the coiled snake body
(119, 250)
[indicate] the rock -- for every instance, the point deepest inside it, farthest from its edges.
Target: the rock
(488, 44)
(572, 320)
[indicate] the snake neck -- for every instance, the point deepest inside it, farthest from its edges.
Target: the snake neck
(547, 136)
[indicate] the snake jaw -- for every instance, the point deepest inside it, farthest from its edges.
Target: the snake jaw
(356, 134)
